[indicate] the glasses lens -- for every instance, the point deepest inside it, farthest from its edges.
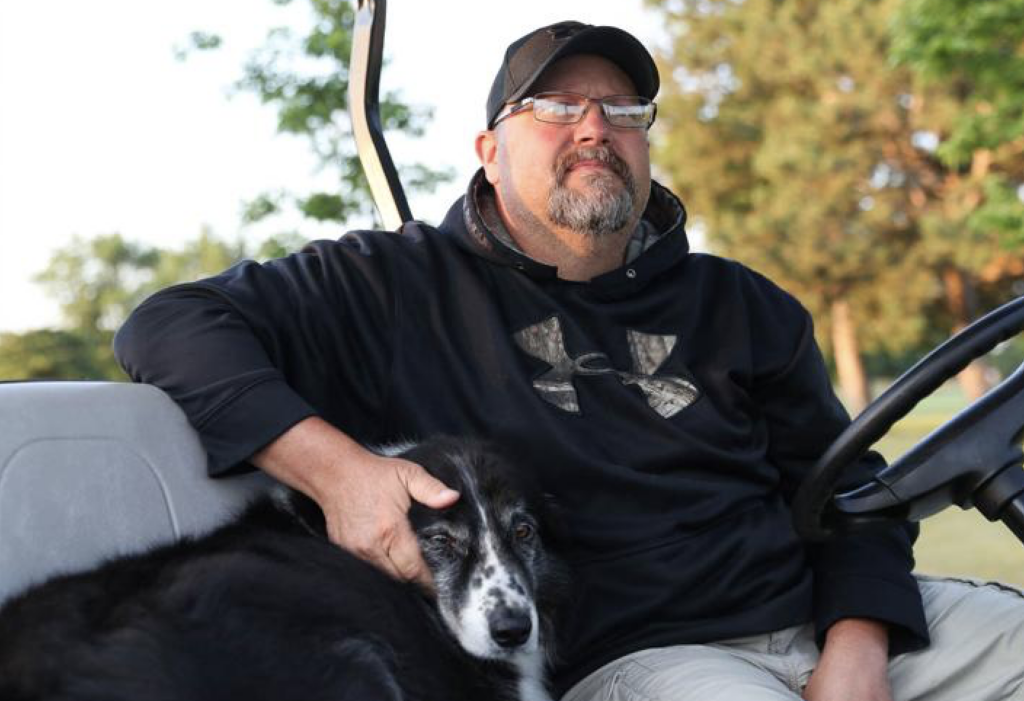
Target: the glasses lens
(629, 111)
(559, 109)
(633, 112)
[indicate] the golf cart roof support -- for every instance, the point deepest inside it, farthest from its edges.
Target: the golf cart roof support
(364, 104)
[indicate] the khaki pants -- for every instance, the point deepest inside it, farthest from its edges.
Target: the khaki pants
(977, 654)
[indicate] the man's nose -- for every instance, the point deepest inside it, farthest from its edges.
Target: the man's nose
(593, 128)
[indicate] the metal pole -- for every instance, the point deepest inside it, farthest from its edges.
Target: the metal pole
(364, 105)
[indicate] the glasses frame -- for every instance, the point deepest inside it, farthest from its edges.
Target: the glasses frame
(514, 108)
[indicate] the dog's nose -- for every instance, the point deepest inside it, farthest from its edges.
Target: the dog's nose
(509, 628)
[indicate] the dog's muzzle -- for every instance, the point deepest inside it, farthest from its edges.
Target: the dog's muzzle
(509, 627)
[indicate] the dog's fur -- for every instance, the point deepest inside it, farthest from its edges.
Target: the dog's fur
(266, 608)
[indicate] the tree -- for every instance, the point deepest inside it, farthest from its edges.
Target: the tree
(977, 48)
(968, 61)
(97, 282)
(306, 79)
(54, 354)
(784, 128)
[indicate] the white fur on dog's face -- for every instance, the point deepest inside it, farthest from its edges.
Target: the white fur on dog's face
(495, 582)
(481, 559)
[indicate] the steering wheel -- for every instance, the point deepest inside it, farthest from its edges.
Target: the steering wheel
(974, 459)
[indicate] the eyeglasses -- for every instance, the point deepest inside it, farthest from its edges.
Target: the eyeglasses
(628, 111)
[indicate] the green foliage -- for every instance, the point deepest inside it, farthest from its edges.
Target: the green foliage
(1002, 211)
(261, 206)
(204, 40)
(324, 206)
(978, 47)
(93, 280)
(198, 41)
(968, 57)
(304, 76)
(50, 354)
(98, 281)
(976, 40)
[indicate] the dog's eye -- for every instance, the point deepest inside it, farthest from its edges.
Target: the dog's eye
(442, 540)
(523, 531)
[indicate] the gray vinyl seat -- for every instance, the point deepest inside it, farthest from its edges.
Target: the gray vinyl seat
(89, 470)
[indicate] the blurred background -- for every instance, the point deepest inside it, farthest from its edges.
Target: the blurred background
(867, 155)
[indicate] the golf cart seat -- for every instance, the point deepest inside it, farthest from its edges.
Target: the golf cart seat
(89, 470)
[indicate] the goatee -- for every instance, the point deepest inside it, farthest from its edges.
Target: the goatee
(607, 203)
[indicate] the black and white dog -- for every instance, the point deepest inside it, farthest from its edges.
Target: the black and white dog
(266, 608)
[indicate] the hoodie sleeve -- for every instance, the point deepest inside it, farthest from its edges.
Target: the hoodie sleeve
(254, 350)
(866, 575)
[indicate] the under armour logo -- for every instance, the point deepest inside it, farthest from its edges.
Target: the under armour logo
(666, 394)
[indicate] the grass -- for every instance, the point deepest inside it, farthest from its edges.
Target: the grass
(955, 542)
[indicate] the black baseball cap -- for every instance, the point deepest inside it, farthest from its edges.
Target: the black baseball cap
(527, 58)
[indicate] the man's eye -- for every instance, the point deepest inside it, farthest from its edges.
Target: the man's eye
(557, 108)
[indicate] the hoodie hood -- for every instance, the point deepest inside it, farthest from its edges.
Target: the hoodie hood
(664, 218)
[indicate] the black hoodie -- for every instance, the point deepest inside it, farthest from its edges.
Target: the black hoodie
(671, 405)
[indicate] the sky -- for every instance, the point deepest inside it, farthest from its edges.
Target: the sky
(103, 130)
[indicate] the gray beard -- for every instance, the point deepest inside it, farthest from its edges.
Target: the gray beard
(606, 206)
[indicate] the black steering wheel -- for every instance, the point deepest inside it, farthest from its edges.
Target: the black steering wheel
(974, 459)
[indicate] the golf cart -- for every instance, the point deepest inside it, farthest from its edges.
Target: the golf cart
(88, 470)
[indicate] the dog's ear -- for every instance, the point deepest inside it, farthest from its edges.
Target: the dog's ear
(554, 523)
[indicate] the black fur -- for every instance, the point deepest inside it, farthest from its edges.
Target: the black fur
(263, 608)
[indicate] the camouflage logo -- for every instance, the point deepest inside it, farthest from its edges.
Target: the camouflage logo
(666, 394)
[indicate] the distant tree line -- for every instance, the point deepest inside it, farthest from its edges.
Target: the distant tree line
(97, 281)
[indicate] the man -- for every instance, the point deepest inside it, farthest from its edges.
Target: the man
(670, 401)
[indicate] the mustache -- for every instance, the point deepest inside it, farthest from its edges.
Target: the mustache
(602, 154)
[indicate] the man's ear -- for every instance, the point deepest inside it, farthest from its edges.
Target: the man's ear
(487, 152)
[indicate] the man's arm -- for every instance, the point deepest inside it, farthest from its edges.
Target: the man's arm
(249, 353)
(866, 603)
(364, 496)
(864, 592)
(266, 359)
(854, 664)
(865, 575)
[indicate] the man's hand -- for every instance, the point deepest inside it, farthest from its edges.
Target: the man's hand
(366, 512)
(854, 664)
(365, 497)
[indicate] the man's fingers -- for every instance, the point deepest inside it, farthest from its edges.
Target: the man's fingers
(393, 550)
(425, 488)
(377, 529)
(381, 560)
(404, 554)
(378, 556)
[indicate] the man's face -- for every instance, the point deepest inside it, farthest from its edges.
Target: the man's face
(589, 177)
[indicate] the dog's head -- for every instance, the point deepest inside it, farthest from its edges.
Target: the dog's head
(493, 554)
